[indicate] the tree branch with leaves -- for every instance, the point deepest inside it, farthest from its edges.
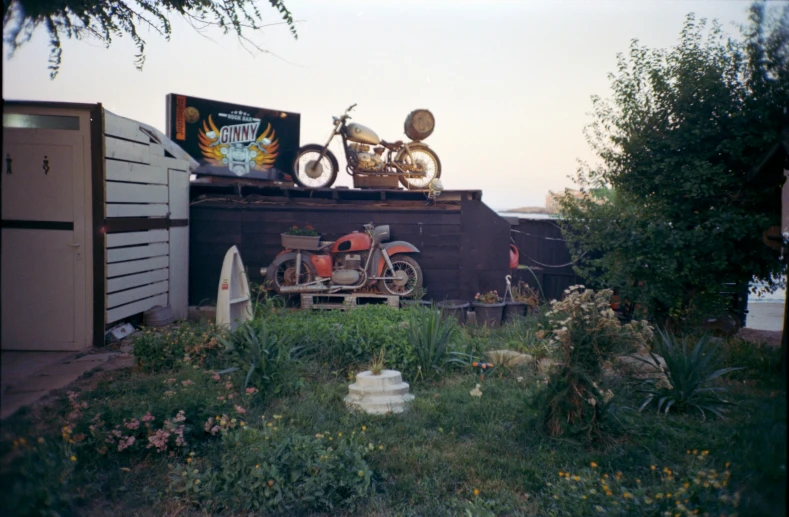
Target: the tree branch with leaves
(676, 143)
(105, 20)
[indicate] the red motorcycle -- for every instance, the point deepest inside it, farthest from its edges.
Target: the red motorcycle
(355, 261)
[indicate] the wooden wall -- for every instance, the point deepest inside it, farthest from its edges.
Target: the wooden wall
(542, 248)
(463, 244)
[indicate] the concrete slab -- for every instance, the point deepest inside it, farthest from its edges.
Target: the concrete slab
(17, 366)
(58, 372)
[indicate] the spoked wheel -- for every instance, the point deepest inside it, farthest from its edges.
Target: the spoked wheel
(285, 274)
(426, 162)
(408, 277)
(310, 170)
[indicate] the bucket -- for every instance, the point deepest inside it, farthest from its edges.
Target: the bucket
(158, 316)
(454, 309)
(489, 313)
(514, 310)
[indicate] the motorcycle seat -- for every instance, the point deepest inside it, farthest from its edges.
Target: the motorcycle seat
(392, 146)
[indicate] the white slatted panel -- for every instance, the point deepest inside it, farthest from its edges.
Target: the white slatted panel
(136, 266)
(119, 210)
(140, 279)
(137, 252)
(144, 268)
(124, 311)
(135, 172)
(115, 240)
(135, 193)
(124, 150)
(139, 293)
(124, 128)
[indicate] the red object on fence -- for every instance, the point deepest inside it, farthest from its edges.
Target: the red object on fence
(514, 257)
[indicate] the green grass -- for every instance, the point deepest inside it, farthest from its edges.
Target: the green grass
(449, 454)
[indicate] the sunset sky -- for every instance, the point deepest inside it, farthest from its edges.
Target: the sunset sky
(509, 82)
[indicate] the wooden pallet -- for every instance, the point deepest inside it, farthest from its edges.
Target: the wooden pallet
(310, 301)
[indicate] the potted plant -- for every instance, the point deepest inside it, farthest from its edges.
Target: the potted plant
(488, 308)
(297, 238)
(523, 298)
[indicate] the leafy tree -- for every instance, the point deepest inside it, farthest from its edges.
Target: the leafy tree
(673, 210)
(104, 20)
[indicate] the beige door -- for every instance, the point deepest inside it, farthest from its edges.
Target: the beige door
(46, 244)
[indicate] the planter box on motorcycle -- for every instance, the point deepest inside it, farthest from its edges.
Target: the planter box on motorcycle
(300, 242)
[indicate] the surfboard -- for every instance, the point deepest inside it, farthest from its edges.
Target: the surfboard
(233, 303)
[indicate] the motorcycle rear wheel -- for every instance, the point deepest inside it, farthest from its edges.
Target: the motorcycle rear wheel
(285, 274)
(409, 277)
(428, 158)
(311, 171)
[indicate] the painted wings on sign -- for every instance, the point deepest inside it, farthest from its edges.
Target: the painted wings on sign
(236, 146)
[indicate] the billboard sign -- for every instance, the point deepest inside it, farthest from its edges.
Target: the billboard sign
(234, 140)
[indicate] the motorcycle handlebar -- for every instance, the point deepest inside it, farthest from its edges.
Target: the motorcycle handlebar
(350, 108)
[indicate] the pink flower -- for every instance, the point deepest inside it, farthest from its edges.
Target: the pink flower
(228, 385)
(169, 381)
(148, 417)
(216, 377)
(230, 397)
(180, 417)
(241, 410)
(250, 391)
(134, 424)
(128, 441)
(186, 383)
(221, 399)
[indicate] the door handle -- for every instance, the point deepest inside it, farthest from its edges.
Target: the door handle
(73, 245)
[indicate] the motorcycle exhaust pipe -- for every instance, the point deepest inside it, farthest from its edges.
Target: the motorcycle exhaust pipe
(302, 288)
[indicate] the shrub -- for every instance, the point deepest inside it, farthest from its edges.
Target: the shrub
(431, 337)
(269, 470)
(38, 478)
(351, 339)
(587, 332)
(189, 343)
(267, 357)
(690, 373)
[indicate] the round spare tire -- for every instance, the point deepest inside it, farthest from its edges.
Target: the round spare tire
(419, 124)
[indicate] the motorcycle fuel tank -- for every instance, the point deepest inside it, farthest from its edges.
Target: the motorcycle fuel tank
(352, 242)
(359, 133)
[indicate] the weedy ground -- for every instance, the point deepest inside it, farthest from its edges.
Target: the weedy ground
(450, 454)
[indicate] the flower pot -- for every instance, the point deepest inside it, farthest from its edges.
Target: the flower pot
(489, 313)
(300, 242)
(454, 309)
(514, 310)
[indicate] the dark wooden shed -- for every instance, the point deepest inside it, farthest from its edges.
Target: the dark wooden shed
(464, 244)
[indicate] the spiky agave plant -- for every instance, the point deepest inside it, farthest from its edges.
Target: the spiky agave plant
(431, 336)
(690, 372)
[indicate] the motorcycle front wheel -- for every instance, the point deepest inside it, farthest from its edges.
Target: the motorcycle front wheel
(424, 156)
(408, 277)
(312, 171)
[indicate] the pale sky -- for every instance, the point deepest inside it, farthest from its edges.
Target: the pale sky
(509, 82)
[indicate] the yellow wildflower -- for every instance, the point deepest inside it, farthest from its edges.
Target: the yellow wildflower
(476, 491)
(627, 495)
(73, 458)
(189, 460)
(593, 465)
(364, 428)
